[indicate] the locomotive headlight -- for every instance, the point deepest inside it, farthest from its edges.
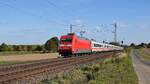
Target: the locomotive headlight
(65, 45)
(61, 45)
(69, 45)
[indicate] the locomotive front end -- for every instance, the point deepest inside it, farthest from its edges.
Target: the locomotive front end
(65, 45)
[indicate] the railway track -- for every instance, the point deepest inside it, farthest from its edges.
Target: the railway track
(11, 74)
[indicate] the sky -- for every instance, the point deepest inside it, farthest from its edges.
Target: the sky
(36, 21)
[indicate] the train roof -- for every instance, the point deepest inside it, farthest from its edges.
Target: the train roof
(73, 34)
(104, 44)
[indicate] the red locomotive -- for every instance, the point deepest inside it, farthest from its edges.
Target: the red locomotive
(71, 44)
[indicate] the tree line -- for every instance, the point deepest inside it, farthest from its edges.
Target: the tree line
(50, 46)
(141, 45)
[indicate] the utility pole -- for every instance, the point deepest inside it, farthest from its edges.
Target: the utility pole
(115, 32)
(71, 27)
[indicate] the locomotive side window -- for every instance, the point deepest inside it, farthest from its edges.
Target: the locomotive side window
(66, 40)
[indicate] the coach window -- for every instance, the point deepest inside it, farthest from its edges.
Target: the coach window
(97, 45)
(100, 45)
(94, 45)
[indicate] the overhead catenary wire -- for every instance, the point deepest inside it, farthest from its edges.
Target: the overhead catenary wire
(35, 15)
(31, 14)
(52, 4)
(71, 25)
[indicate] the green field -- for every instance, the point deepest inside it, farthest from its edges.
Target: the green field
(4, 62)
(102, 72)
(144, 52)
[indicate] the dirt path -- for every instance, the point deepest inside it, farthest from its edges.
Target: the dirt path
(142, 68)
(28, 57)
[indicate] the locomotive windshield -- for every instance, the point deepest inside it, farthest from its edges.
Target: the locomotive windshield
(66, 40)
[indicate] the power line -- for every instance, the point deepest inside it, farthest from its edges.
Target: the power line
(73, 25)
(31, 14)
(114, 31)
(59, 9)
(50, 3)
(18, 9)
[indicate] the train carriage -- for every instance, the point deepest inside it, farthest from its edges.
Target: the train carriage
(96, 46)
(99, 47)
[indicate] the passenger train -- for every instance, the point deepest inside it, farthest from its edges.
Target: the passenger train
(71, 44)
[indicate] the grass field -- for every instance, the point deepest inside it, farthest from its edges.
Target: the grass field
(16, 53)
(102, 72)
(7, 62)
(145, 53)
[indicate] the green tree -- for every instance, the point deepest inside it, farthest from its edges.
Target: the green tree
(52, 44)
(29, 48)
(148, 45)
(39, 48)
(24, 47)
(142, 45)
(14, 47)
(115, 43)
(10, 48)
(5, 47)
(18, 48)
(133, 45)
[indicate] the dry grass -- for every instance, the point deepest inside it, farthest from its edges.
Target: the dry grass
(145, 53)
(101, 72)
(28, 57)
